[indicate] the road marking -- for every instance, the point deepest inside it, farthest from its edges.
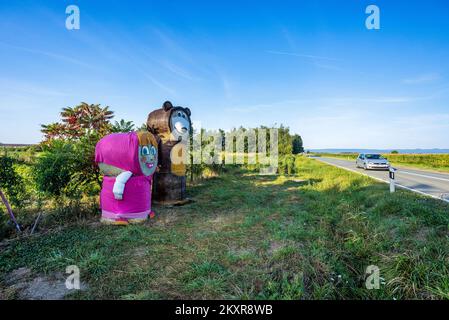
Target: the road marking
(385, 181)
(422, 175)
(423, 193)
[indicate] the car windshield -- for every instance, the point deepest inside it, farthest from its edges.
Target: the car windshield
(374, 156)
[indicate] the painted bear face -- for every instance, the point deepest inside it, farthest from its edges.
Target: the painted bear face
(179, 122)
(170, 121)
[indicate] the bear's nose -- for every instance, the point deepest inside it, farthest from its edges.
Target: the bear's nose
(180, 127)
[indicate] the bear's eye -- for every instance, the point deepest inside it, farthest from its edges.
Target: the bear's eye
(183, 115)
(145, 151)
(153, 151)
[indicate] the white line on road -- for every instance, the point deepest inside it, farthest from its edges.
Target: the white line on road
(422, 175)
(386, 181)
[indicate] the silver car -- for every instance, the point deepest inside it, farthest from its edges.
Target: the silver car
(372, 161)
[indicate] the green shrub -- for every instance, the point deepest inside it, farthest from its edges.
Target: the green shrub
(287, 164)
(67, 168)
(3, 224)
(299, 164)
(10, 181)
(55, 167)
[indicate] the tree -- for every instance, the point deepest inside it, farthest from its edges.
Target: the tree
(79, 121)
(94, 117)
(143, 127)
(67, 164)
(395, 152)
(53, 131)
(297, 146)
(285, 141)
(122, 126)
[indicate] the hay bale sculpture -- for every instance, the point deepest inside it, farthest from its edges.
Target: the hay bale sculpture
(127, 161)
(173, 126)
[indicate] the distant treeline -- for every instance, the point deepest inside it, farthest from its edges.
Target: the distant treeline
(13, 145)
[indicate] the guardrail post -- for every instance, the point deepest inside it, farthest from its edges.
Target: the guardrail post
(392, 179)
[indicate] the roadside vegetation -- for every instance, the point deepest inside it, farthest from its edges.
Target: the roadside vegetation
(309, 234)
(59, 174)
(435, 162)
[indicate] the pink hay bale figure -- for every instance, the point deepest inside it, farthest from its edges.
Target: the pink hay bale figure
(127, 162)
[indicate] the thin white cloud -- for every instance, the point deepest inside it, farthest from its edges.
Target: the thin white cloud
(227, 87)
(300, 55)
(380, 100)
(424, 78)
(170, 44)
(17, 88)
(49, 55)
(328, 67)
(177, 70)
(332, 102)
(428, 121)
(159, 84)
(342, 130)
(287, 36)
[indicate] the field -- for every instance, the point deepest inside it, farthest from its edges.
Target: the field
(305, 236)
(436, 162)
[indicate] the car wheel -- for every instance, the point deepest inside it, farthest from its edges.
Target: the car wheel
(364, 167)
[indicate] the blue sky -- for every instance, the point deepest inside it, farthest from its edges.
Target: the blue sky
(310, 65)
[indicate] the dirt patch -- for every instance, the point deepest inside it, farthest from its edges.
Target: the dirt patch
(422, 234)
(242, 251)
(275, 245)
(165, 219)
(140, 252)
(222, 220)
(294, 198)
(22, 284)
(17, 275)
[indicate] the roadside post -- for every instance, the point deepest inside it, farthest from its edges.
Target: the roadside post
(392, 179)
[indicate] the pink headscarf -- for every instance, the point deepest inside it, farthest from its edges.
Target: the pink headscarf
(119, 150)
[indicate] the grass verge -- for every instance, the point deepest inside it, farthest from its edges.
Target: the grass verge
(308, 236)
(432, 162)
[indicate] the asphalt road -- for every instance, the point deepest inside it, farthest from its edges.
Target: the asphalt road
(429, 183)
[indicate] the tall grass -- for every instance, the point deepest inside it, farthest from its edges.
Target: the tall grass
(439, 162)
(308, 235)
(436, 161)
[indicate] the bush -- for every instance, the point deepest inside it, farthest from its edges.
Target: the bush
(290, 162)
(299, 163)
(55, 167)
(4, 227)
(10, 181)
(68, 168)
(287, 165)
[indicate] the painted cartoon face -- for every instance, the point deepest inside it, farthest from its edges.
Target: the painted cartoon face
(179, 122)
(147, 153)
(148, 159)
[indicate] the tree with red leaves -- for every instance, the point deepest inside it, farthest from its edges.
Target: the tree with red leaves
(76, 122)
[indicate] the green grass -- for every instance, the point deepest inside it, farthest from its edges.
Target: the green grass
(435, 162)
(308, 236)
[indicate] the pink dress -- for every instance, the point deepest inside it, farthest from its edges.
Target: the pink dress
(121, 150)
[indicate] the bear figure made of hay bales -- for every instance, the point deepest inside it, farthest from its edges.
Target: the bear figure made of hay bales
(127, 162)
(173, 126)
